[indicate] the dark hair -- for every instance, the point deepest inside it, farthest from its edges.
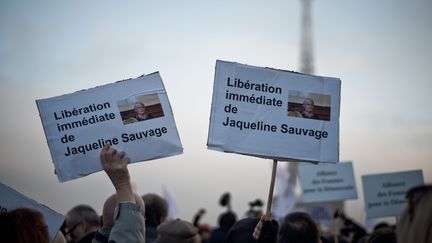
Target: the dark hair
(415, 223)
(156, 208)
(414, 195)
(381, 225)
(83, 212)
(242, 231)
(23, 225)
(227, 219)
(382, 235)
(298, 227)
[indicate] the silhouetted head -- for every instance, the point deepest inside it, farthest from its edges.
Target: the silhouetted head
(227, 219)
(298, 227)
(177, 231)
(242, 231)
(80, 221)
(156, 209)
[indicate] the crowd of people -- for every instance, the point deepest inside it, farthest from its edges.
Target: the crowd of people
(128, 217)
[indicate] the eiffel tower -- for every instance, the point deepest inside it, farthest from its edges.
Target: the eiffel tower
(307, 66)
(306, 55)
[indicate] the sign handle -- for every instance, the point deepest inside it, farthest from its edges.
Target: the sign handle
(272, 183)
(258, 227)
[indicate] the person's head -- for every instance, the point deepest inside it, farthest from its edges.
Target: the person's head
(110, 205)
(23, 225)
(80, 221)
(382, 235)
(177, 231)
(227, 219)
(245, 230)
(381, 225)
(242, 231)
(415, 222)
(308, 105)
(298, 227)
(140, 109)
(156, 209)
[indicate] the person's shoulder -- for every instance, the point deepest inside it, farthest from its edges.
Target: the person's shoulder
(130, 120)
(294, 114)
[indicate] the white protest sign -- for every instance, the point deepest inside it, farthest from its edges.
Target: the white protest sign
(11, 199)
(132, 115)
(274, 114)
(384, 194)
(327, 182)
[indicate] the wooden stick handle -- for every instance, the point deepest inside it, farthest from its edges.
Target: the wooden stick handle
(272, 183)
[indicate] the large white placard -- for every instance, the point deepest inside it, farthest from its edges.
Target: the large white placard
(384, 194)
(327, 182)
(11, 199)
(275, 114)
(132, 115)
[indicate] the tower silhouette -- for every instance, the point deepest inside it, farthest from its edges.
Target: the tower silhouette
(306, 55)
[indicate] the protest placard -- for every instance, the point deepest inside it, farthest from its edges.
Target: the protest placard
(275, 114)
(11, 199)
(384, 194)
(327, 182)
(132, 115)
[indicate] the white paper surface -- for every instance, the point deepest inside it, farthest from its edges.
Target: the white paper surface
(384, 194)
(77, 125)
(11, 199)
(327, 182)
(255, 111)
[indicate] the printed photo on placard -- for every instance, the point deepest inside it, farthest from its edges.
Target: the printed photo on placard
(140, 108)
(309, 105)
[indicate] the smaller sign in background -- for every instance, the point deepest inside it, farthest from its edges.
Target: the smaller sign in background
(327, 182)
(384, 194)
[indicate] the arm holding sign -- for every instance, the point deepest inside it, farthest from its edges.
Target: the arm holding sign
(115, 165)
(128, 221)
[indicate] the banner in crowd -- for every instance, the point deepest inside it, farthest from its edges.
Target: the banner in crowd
(274, 114)
(132, 115)
(11, 199)
(384, 194)
(322, 212)
(327, 182)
